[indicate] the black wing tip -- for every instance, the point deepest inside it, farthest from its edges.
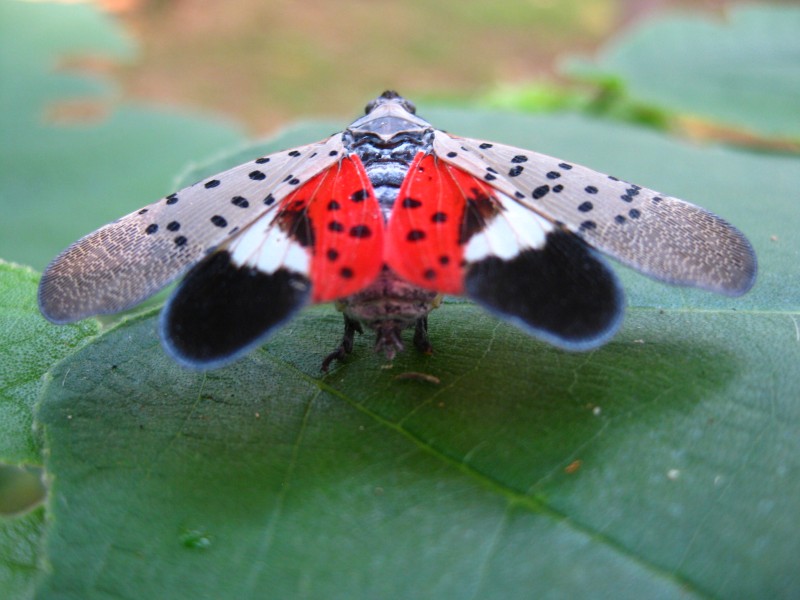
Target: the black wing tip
(562, 293)
(572, 343)
(221, 311)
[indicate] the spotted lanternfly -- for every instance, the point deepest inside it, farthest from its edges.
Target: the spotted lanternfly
(383, 218)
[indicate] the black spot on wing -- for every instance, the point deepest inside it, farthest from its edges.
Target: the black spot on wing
(295, 222)
(563, 293)
(221, 311)
(479, 210)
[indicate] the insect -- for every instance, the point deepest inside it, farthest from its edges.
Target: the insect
(384, 218)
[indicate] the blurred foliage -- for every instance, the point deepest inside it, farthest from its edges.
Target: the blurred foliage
(742, 71)
(65, 173)
(664, 464)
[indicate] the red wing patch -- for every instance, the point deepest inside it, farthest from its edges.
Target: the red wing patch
(337, 216)
(438, 209)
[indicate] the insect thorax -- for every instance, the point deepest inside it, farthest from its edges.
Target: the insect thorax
(387, 157)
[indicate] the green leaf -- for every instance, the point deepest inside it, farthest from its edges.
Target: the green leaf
(664, 464)
(265, 476)
(741, 70)
(60, 181)
(28, 347)
(20, 545)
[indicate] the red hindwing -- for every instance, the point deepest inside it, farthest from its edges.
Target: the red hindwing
(438, 208)
(344, 229)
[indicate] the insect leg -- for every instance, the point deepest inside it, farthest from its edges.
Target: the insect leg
(421, 341)
(351, 326)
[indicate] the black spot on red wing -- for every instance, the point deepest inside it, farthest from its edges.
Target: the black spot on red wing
(360, 231)
(257, 175)
(332, 254)
(334, 205)
(415, 235)
(479, 210)
(151, 229)
(220, 310)
(335, 226)
(359, 196)
(297, 225)
(562, 292)
(429, 274)
(346, 272)
(410, 203)
(211, 183)
(444, 260)
(240, 202)
(439, 217)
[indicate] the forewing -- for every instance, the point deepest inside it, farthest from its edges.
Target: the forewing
(124, 262)
(452, 232)
(323, 241)
(662, 237)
